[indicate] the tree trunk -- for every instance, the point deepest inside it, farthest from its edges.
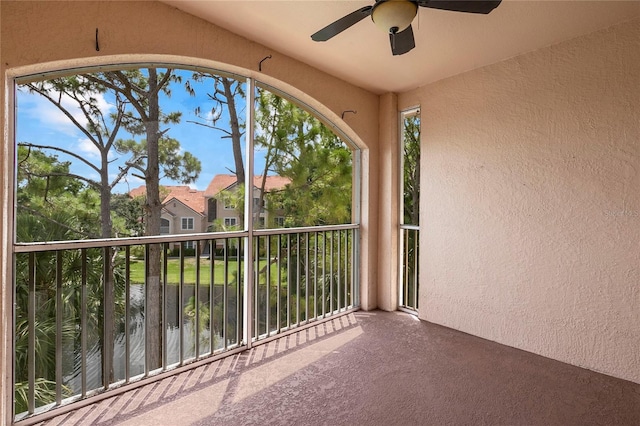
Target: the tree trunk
(153, 209)
(109, 287)
(415, 193)
(236, 137)
(235, 130)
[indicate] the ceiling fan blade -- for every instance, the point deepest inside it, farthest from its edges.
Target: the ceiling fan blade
(342, 24)
(470, 6)
(402, 42)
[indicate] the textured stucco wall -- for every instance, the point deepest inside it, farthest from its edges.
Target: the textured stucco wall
(44, 36)
(388, 176)
(530, 204)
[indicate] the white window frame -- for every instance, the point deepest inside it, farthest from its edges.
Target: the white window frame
(410, 112)
(168, 225)
(188, 219)
(228, 221)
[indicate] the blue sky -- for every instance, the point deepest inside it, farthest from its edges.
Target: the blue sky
(40, 122)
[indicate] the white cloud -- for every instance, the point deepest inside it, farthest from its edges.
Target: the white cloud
(41, 112)
(93, 176)
(86, 147)
(212, 114)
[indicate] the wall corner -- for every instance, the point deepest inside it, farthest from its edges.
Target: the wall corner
(388, 202)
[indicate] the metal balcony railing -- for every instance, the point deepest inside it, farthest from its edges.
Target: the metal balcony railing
(95, 315)
(317, 279)
(409, 283)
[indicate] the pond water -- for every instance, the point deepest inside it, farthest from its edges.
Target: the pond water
(176, 306)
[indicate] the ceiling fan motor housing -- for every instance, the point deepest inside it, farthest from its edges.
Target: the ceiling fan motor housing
(394, 16)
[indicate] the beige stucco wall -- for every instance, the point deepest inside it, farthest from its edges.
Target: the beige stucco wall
(530, 203)
(222, 213)
(176, 211)
(45, 36)
(388, 175)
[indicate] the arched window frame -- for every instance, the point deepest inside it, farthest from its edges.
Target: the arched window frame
(47, 71)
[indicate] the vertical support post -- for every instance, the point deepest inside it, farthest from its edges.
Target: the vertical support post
(107, 333)
(180, 305)
(339, 273)
(279, 289)
(415, 268)
(288, 280)
(331, 306)
(31, 350)
(299, 253)
(324, 272)
(212, 289)
(256, 280)
(83, 322)
(239, 293)
(165, 269)
(127, 313)
(404, 283)
(196, 297)
(248, 216)
(59, 321)
(147, 349)
(306, 276)
(225, 305)
(355, 250)
(268, 279)
(355, 270)
(388, 201)
(346, 268)
(315, 275)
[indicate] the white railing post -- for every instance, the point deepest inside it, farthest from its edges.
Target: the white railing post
(248, 220)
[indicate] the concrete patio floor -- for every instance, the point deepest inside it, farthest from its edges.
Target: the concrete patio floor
(374, 368)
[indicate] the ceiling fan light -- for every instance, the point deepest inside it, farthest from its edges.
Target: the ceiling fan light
(394, 16)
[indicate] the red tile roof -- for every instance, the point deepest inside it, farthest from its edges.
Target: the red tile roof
(192, 198)
(218, 183)
(195, 199)
(140, 191)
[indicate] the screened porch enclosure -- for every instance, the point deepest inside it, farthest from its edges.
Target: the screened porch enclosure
(178, 215)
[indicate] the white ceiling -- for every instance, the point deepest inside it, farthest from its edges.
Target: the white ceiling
(447, 43)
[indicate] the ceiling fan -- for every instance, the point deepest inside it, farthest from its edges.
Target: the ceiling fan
(395, 16)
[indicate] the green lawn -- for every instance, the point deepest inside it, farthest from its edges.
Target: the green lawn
(173, 271)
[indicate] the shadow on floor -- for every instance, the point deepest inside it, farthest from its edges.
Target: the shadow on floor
(374, 368)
